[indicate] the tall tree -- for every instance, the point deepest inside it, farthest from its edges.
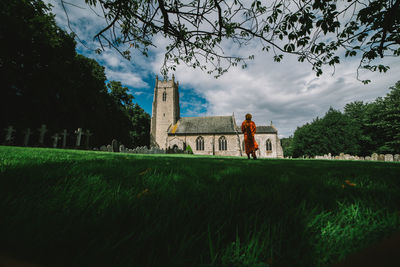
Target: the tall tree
(334, 133)
(316, 31)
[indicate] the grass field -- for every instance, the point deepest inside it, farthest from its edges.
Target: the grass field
(82, 208)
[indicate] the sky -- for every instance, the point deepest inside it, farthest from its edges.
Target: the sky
(288, 93)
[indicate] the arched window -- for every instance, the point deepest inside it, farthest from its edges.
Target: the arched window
(243, 148)
(222, 143)
(200, 143)
(164, 96)
(269, 145)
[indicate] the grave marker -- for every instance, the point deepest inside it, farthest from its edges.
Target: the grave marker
(42, 130)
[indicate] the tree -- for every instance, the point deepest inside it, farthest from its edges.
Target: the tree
(316, 31)
(287, 146)
(335, 133)
(44, 80)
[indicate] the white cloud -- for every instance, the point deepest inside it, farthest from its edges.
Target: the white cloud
(287, 93)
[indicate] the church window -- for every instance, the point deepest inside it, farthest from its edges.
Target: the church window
(222, 143)
(269, 145)
(200, 143)
(164, 96)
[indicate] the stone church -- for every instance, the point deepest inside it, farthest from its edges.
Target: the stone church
(212, 135)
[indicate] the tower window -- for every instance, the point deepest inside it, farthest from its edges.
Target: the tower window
(200, 143)
(164, 96)
(222, 143)
(269, 145)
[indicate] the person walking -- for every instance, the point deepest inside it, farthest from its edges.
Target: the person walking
(249, 130)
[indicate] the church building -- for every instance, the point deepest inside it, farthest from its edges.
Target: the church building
(212, 135)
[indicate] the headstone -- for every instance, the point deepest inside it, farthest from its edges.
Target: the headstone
(109, 148)
(64, 135)
(396, 157)
(347, 156)
(103, 148)
(55, 138)
(341, 156)
(361, 158)
(374, 156)
(367, 158)
(79, 134)
(87, 134)
(381, 157)
(114, 145)
(9, 134)
(121, 148)
(26, 136)
(42, 130)
(388, 157)
(329, 155)
(356, 158)
(337, 157)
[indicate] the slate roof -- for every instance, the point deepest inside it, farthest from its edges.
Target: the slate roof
(262, 129)
(211, 125)
(203, 125)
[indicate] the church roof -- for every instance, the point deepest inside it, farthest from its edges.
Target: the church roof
(203, 125)
(262, 129)
(212, 125)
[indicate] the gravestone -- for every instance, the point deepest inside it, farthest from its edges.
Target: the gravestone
(9, 135)
(374, 156)
(42, 130)
(27, 134)
(87, 134)
(347, 157)
(55, 138)
(341, 156)
(361, 158)
(396, 157)
(109, 148)
(388, 157)
(103, 148)
(114, 145)
(367, 158)
(329, 155)
(381, 157)
(79, 134)
(121, 148)
(356, 158)
(64, 135)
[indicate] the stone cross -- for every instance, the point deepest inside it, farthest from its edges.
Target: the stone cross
(27, 134)
(9, 134)
(64, 135)
(88, 134)
(79, 134)
(42, 131)
(56, 137)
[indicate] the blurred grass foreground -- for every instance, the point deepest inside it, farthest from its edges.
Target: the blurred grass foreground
(82, 208)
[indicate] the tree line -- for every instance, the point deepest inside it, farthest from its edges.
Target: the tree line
(362, 129)
(44, 81)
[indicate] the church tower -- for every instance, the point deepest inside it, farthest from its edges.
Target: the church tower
(165, 111)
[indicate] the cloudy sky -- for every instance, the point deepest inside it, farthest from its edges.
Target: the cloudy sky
(287, 93)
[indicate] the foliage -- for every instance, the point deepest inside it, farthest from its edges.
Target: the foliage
(287, 147)
(44, 81)
(189, 149)
(334, 133)
(317, 31)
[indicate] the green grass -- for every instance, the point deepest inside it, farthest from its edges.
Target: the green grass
(82, 208)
